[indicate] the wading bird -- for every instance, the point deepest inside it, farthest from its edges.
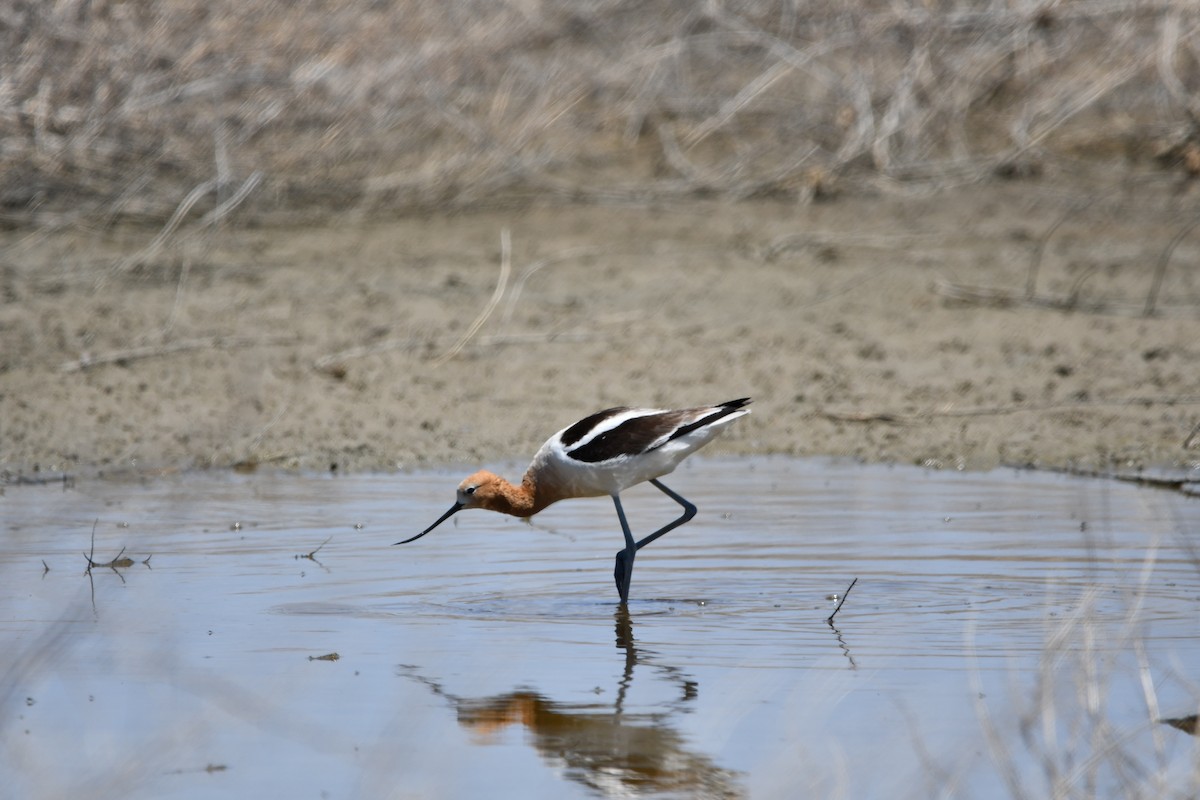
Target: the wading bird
(603, 454)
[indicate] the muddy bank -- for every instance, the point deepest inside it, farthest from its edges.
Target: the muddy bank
(350, 345)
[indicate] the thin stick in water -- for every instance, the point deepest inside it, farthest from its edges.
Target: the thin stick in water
(838, 608)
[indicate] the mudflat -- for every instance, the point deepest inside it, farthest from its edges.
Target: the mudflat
(986, 325)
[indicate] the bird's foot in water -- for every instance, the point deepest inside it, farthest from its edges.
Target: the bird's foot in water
(623, 573)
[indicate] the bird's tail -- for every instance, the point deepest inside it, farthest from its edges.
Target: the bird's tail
(718, 412)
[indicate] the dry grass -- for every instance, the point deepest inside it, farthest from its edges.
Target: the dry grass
(124, 110)
(1072, 737)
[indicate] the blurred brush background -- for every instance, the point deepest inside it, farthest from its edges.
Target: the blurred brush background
(140, 111)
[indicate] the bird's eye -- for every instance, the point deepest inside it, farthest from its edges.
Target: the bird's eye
(470, 490)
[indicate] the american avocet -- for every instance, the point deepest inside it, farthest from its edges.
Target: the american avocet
(602, 455)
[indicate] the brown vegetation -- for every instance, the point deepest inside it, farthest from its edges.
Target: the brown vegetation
(128, 110)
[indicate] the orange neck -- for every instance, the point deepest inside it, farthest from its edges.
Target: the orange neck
(519, 501)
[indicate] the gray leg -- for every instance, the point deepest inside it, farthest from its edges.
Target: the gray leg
(689, 511)
(623, 570)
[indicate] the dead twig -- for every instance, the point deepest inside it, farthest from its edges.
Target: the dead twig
(1161, 270)
(258, 437)
(528, 272)
(841, 602)
(65, 478)
(251, 463)
(1035, 260)
(817, 240)
(156, 244)
(92, 552)
(865, 416)
(312, 555)
(501, 283)
(157, 350)
(334, 363)
(236, 199)
(697, 176)
(1193, 438)
(733, 105)
(984, 411)
(986, 295)
(1183, 485)
(216, 215)
(209, 768)
(119, 562)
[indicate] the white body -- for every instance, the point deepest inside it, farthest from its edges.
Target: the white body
(554, 465)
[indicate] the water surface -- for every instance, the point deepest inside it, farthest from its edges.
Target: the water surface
(1010, 633)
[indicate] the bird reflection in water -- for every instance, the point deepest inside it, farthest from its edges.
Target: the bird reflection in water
(601, 745)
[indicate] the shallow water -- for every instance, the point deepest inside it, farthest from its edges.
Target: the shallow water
(1010, 632)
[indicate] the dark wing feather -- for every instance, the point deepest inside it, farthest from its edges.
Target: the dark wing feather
(640, 434)
(580, 429)
(631, 437)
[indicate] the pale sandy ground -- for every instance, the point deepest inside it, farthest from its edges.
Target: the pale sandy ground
(331, 346)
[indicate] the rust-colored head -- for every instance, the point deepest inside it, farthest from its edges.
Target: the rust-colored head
(482, 490)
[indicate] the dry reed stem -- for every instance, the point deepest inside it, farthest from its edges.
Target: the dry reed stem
(987, 295)
(985, 411)
(1193, 438)
(1035, 259)
(333, 363)
(1160, 270)
(497, 294)
(519, 285)
(86, 362)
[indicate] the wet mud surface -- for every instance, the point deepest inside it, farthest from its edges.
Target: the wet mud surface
(988, 325)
